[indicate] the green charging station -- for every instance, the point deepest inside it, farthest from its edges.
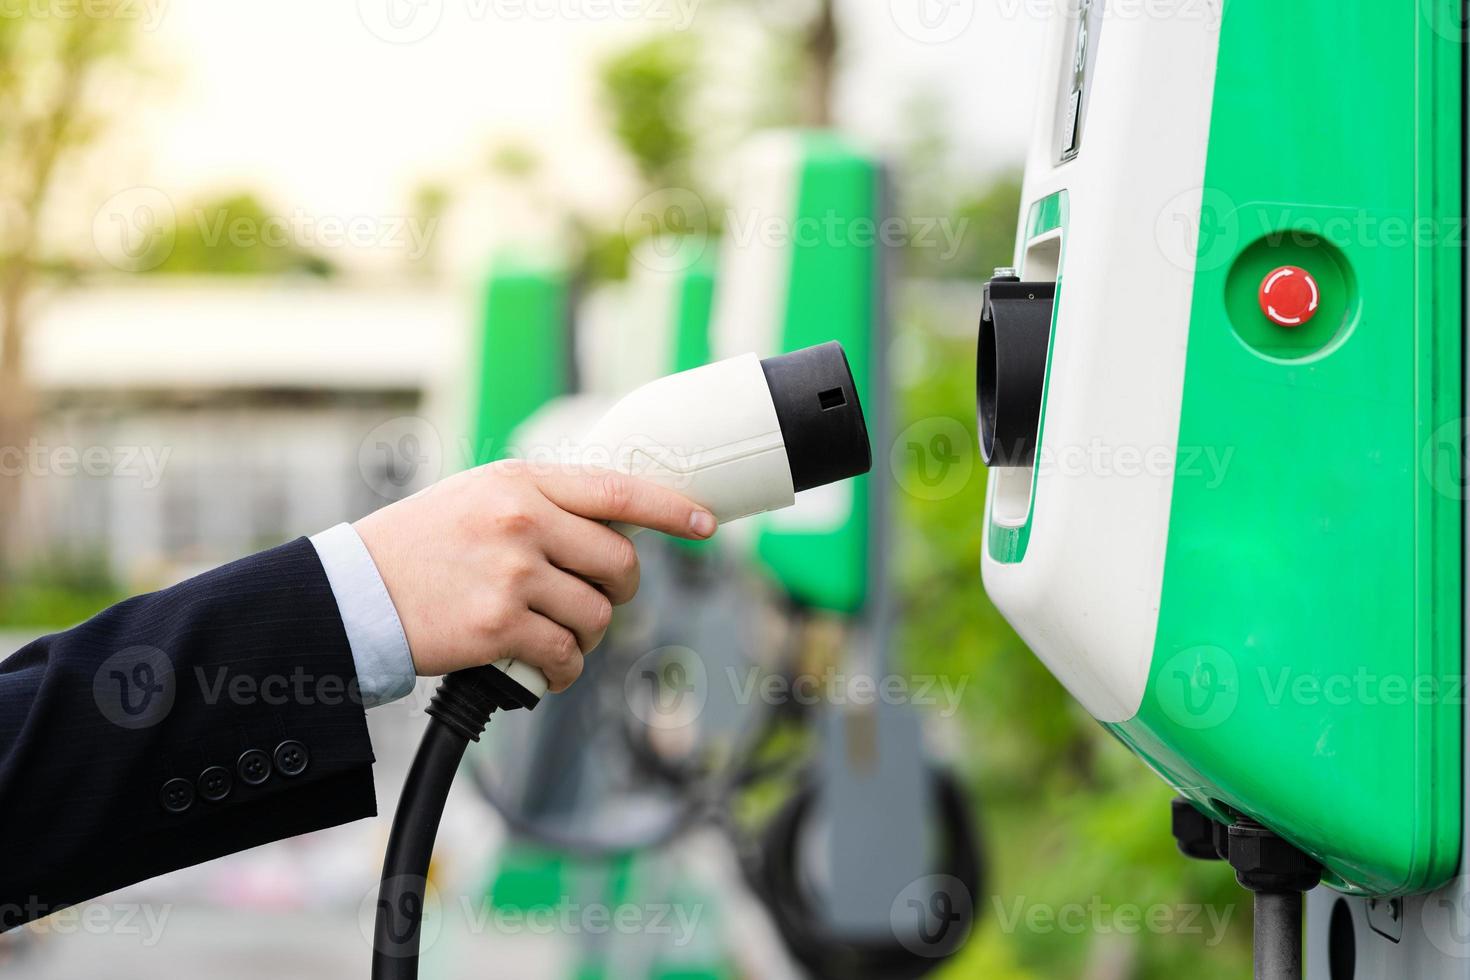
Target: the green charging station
(1221, 388)
(828, 197)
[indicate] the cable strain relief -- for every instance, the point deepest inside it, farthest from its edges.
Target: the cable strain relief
(466, 699)
(465, 717)
(463, 705)
(1265, 862)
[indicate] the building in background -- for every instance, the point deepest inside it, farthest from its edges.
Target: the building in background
(182, 426)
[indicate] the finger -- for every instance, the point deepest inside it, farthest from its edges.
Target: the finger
(596, 553)
(571, 602)
(605, 495)
(549, 647)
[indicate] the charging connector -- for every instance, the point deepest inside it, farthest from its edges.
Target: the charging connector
(739, 437)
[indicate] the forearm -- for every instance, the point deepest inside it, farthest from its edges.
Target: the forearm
(176, 727)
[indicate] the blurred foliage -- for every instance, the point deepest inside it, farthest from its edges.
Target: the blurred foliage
(1074, 825)
(58, 593)
(51, 69)
(432, 200)
(606, 252)
(985, 220)
(512, 160)
(647, 89)
(233, 236)
(978, 217)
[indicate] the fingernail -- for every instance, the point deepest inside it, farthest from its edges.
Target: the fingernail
(702, 523)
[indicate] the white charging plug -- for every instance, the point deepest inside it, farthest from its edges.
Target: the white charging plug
(740, 436)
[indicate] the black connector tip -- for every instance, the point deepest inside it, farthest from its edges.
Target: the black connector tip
(821, 419)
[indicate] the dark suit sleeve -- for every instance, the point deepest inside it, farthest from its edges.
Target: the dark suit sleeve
(176, 727)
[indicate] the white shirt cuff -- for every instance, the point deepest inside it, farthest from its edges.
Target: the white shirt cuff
(374, 632)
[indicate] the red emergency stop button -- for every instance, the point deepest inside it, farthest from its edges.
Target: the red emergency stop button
(1289, 296)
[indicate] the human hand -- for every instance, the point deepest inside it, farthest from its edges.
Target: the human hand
(513, 561)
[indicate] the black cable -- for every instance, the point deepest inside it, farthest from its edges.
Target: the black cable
(1278, 936)
(776, 878)
(410, 846)
(458, 714)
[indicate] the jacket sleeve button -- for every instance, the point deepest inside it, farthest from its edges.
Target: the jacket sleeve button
(291, 758)
(215, 783)
(253, 767)
(177, 795)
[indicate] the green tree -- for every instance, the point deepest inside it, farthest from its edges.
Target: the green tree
(237, 235)
(50, 68)
(647, 89)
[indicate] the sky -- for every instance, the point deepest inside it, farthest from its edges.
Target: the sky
(344, 107)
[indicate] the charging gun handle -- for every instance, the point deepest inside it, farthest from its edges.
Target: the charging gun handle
(530, 680)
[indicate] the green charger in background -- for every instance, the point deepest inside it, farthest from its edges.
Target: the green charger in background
(823, 279)
(524, 359)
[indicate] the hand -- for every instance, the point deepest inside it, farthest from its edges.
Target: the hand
(511, 560)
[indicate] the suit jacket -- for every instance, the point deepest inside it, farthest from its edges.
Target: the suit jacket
(177, 726)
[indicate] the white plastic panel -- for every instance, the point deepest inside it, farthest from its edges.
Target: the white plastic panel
(1085, 596)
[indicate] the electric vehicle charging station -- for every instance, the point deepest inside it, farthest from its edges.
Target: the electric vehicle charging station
(543, 378)
(594, 805)
(739, 436)
(578, 837)
(1221, 400)
(827, 558)
(826, 562)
